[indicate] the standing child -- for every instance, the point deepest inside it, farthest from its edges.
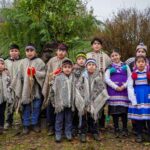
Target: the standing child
(27, 87)
(5, 95)
(139, 94)
(12, 64)
(141, 50)
(63, 101)
(102, 61)
(116, 78)
(90, 98)
(53, 65)
(79, 69)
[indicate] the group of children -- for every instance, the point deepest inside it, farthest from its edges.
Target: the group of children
(75, 95)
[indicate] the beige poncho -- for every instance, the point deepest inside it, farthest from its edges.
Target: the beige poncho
(25, 88)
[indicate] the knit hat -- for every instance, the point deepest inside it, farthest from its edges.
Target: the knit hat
(81, 54)
(30, 46)
(90, 60)
(67, 61)
(1, 59)
(142, 46)
(63, 47)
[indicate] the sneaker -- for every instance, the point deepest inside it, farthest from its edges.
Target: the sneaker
(96, 137)
(82, 138)
(26, 130)
(57, 138)
(139, 139)
(125, 132)
(36, 128)
(7, 126)
(69, 137)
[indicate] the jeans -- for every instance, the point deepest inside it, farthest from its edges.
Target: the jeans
(64, 119)
(31, 112)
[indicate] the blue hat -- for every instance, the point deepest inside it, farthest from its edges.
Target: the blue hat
(90, 60)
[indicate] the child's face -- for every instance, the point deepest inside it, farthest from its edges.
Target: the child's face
(91, 68)
(61, 53)
(141, 52)
(140, 63)
(81, 61)
(115, 57)
(2, 66)
(96, 46)
(67, 69)
(30, 53)
(14, 53)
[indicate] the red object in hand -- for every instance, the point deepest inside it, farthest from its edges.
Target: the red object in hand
(31, 71)
(134, 75)
(57, 71)
(148, 75)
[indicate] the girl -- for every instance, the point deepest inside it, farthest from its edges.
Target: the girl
(139, 94)
(116, 78)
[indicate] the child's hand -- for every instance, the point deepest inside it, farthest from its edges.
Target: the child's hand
(122, 88)
(118, 89)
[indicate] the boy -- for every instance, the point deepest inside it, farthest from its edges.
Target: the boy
(5, 94)
(27, 87)
(102, 61)
(79, 69)
(63, 101)
(52, 65)
(12, 64)
(91, 96)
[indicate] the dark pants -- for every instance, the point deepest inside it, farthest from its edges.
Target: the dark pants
(140, 127)
(31, 112)
(102, 120)
(64, 119)
(88, 122)
(2, 114)
(9, 113)
(116, 120)
(75, 120)
(50, 116)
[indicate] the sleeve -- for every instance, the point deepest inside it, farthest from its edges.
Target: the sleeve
(108, 81)
(131, 94)
(128, 75)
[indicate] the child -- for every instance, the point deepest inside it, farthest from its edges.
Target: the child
(139, 90)
(27, 87)
(5, 95)
(53, 64)
(79, 69)
(116, 78)
(90, 98)
(141, 50)
(63, 101)
(12, 64)
(102, 60)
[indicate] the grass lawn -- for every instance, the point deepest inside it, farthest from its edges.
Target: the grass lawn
(40, 141)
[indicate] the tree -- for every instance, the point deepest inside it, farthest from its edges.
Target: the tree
(41, 21)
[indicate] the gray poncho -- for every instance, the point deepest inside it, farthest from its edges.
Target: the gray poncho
(5, 91)
(63, 92)
(53, 64)
(26, 88)
(91, 94)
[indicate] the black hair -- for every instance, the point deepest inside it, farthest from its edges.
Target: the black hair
(140, 57)
(14, 46)
(116, 50)
(96, 39)
(67, 61)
